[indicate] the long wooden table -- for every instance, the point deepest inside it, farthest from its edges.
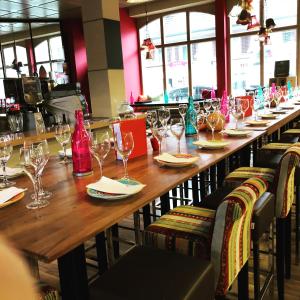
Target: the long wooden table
(59, 230)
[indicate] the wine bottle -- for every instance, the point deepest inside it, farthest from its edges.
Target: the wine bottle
(81, 155)
(190, 118)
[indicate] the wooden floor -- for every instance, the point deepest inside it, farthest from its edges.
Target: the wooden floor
(49, 272)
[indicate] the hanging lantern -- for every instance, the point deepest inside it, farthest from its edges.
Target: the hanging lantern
(270, 24)
(247, 5)
(254, 24)
(244, 18)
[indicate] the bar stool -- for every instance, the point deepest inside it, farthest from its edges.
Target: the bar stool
(283, 187)
(212, 234)
(147, 273)
(262, 219)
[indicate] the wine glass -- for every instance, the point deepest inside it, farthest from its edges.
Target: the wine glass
(124, 145)
(177, 129)
(6, 149)
(45, 148)
(159, 133)
(151, 117)
(236, 111)
(216, 104)
(32, 160)
(63, 135)
(182, 108)
(277, 98)
(100, 147)
(207, 105)
(212, 120)
(197, 107)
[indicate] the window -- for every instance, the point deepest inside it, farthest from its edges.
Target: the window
(247, 50)
(49, 54)
(184, 54)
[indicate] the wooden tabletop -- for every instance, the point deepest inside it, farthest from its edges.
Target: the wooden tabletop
(73, 217)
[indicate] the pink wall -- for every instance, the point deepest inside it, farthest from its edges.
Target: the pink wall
(130, 49)
(75, 51)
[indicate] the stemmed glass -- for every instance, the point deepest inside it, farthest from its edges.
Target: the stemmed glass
(45, 148)
(32, 160)
(277, 98)
(197, 107)
(163, 117)
(182, 108)
(207, 105)
(159, 133)
(216, 104)
(100, 147)
(112, 121)
(212, 120)
(236, 111)
(63, 135)
(177, 129)
(6, 149)
(151, 117)
(124, 145)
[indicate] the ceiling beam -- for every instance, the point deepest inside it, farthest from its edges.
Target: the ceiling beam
(159, 7)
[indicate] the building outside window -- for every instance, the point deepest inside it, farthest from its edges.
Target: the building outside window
(250, 58)
(184, 61)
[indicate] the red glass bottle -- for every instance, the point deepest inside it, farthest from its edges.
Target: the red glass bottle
(81, 155)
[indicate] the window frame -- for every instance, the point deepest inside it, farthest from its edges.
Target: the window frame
(163, 46)
(274, 30)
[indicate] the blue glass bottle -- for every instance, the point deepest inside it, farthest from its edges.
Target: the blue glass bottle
(190, 118)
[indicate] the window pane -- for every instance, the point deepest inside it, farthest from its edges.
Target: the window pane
(41, 52)
(11, 73)
(175, 28)
(284, 13)
(153, 30)
(21, 54)
(25, 70)
(202, 25)
(177, 71)
(237, 28)
(245, 64)
(9, 55)
(283, 48)
(56, 48)
(203, 56)
(153, 75)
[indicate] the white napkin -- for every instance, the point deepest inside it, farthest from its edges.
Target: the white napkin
(9, 193)
(11, 171)
(166, 157)
(68, 152)
(111, 186)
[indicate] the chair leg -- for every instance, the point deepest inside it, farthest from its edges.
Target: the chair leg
(243, 283)
(280, 232)
(256, 270)
(287, 257)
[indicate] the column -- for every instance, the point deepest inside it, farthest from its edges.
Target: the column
(222, 47)
(101, 24)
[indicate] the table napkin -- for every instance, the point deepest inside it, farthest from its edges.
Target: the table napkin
(68, 152)
(166, 157)
(111, 186)
(11, 171)
(9, 193)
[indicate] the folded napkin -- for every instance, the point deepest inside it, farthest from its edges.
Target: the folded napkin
(9, 193)
(111, 186)
(166, 157)
(68, 152)
(11, 171)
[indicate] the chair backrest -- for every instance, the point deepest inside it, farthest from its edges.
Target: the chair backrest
(284, 181)
(230, 248)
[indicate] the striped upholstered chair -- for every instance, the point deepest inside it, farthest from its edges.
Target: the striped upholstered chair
(283, 185)
(212, 234)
